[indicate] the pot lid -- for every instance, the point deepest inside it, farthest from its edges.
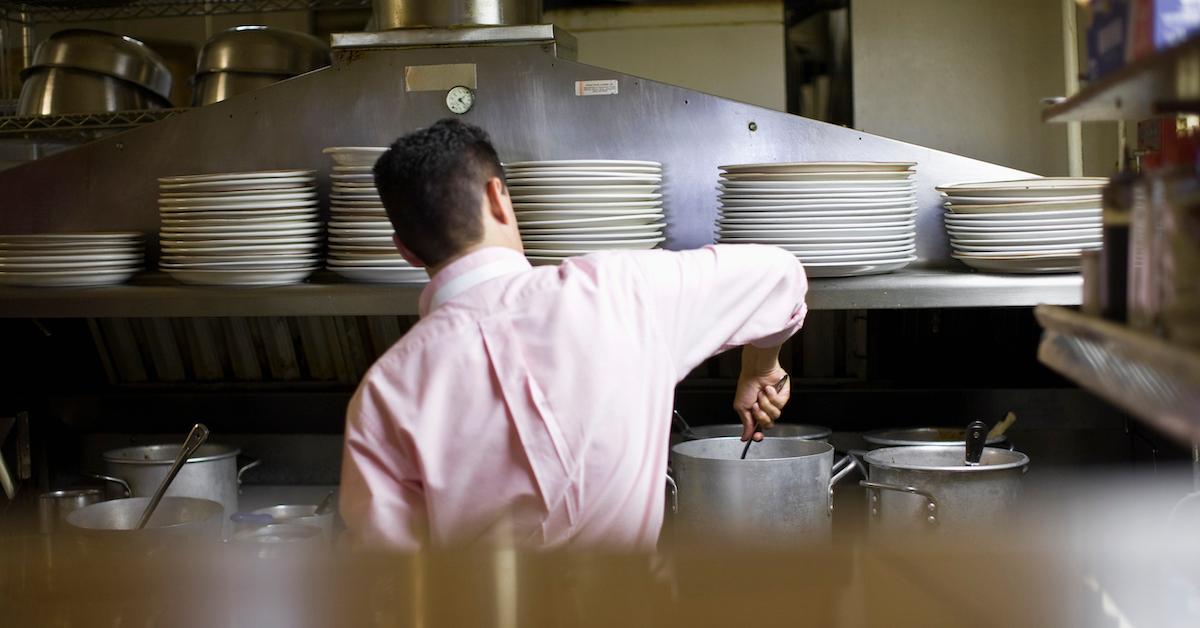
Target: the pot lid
(165, 454)
(944, 458)
(915, 436)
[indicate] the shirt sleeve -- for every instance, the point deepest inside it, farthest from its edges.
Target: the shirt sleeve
(723, 296)
(381, 500)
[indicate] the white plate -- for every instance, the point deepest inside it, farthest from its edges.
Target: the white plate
(821, 166)
(239, 213)
(354, 250)
(829, 222)
(1021, 229)
(593, 230)
(354, 169)
(531, 202)
(582, 247)
(1024, 264)
(531, 217)
(782, 204)
(1016, 208)
(373, 217)
(1024, 216)
(370, 262)
(535, 240)
(1029, 240)
(243, 185)
(307, 233)
(383, 275)
(851, 214)
(849, 257)
(994, 200)
(843, 246)
(292, 241)
(808, 196)
(364, 156)
(646, 179)
(237, 176)
(855, 269)
(244, 228)
(267, 222)
(848, 176)
(645, 206)
(337, 197)
(129, 257)
(581, 163)
(253, 249)
(353, 240)
(8, 265)
(361, 224)
(336, 208)
(278, 263)
(384, 232)
(342, 177)
(844, 233)
(1027, 248)
(264, 201)
(93, 238)
(608, 172)
(903, 249)
(346, 203)
(211, 194)
(516, 191)
(69, 278)
(1015, 235)
(817, 186)
(1045, 186)
(241, 277)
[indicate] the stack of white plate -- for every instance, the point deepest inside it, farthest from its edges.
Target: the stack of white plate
(579, 206)
(69, 259)
(1027, 226)
(360, 235)
(839, 218)
(240, 228)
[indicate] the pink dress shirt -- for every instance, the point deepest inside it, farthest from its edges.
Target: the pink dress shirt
(532, 406)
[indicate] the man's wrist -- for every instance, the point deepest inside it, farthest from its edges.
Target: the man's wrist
(759, 361)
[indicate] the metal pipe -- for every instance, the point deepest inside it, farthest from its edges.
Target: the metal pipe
(1071, 69)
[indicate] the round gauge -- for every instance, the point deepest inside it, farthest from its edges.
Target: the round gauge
(459, 99)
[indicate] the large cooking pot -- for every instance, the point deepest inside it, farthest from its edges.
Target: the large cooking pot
(174, 515)
(781, 430)
(53, 91)
(105, 53)
(211, 473)
(262, 50)
(930, 487)
(781, 493)
(918, 436)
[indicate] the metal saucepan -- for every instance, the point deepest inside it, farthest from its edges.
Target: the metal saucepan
(53, 507)
(262, 50)
(106, 53)
(930, 487)
(920, 436)
(174, 515)
(781, 493)
(53, 91)
(213, 87)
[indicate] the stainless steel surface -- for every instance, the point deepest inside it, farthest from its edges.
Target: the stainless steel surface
(210, 474)
(920, 436)
(445, 13)
(213, 87)
(781, 493)
(535, 114)
(194, 440)
(53, 507)
(175, 515)
(53, 91)
(301, 515)
(555, 40)
(262, 50)
(920, 487)
(106, 53)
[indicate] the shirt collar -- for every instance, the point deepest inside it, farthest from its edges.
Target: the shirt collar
(466, 264)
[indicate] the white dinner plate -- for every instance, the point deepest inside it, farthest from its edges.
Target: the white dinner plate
(592, 230)
(238, 227)
(237, 176)
(590, 173)
(289, 211)
(586, 164)
(1027, 240)
(201, 243)
(8, 265)
(577, 246)
(363, 156)
(353, 186)
(1016, 208)
(806, 236)
(829, 222)
(191, 220)
(250, 277)
(820, 166)
(892, 213)
(845, 247)
(538, 241)
(242, 185)
(645, 206)
(361, 224)
(842, 232)
(808, 196)
(775, 204)
(264, 263)
(1044, 186)
(91, 238)
(529, 217)
(852, 177)
(1017, 249)
(336, 241)
(343, 177)
(69, 278)
(262, 192)
(354, 169)
(1020, 230)
(354, 231)
(353, 250)
(817, 185)
(371, 262)
(995, 200)
(304, 234)
(382, 274)
(602, 181)
(350, 204)
(605, 221)
(538, 191)
(265, 201)
(855, 269)
(1014, 235)
(360, 218)
(1024, 216)
(249, 249)
(824, 257)
(1031, 263)
(74, 255)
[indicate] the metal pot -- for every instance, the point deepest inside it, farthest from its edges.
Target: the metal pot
(54, 91)
(300, 514)
(279, 539)
(211, 473)
(262, 50)
(213, 87)
(53, 507)
(918, 436)
(781, 493)
(174, 515)
(781, 430)
(930, 487)
(106, 53)
(444, 13)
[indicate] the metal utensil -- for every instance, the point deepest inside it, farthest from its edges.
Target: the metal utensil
(976, 439)
(778, 387)
(195, 438)
(685, 429)
(326, 504)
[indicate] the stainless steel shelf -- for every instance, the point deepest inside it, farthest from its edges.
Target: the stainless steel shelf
(35, 12)
(79, 124)
(1166, 83)
(1146, 376)
(155, 294)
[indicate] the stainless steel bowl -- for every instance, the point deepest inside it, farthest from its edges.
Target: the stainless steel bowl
(175, 515)
(301, 514)
(53, 91)
(262, 50)
(105, 53)
(213, 87)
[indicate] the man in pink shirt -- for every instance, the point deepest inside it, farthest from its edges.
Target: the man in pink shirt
(531, 406)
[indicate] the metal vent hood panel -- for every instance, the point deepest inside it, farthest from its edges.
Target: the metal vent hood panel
(526, 98)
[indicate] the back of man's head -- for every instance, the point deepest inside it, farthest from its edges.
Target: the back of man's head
(432, 183)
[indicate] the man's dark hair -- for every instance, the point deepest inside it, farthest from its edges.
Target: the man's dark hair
(431, 182)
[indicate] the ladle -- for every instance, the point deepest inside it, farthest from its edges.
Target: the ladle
(194, 440)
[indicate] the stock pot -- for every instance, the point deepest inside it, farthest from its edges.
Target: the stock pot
(782, 493)
(211, 473)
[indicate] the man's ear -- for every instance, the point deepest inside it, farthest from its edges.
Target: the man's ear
(408, 255)
(498, 203)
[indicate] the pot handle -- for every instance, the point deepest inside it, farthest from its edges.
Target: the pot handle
(873, 488)
(254, 462)
(840, 470)
(108, 478)
(674, 493)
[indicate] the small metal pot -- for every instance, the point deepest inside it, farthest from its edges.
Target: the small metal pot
(781, 493)
(300, 514)
(105, 53)
(186, 516)
(53, 507)
(930, 487)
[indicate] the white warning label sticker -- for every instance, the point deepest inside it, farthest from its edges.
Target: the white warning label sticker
(596, 88)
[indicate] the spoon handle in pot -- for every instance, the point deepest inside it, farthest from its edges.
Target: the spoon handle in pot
(976, 438)
(195, 438)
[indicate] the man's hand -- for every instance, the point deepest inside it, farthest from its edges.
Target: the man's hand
(756, 400)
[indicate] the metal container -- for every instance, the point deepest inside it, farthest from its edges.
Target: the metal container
(781, 493)
(53, 507)
(390, 14)
(214, 87)
(175, 515)
(105, 53)
(262, 50)
(279, 539)
(301, 514)
(211, 473)
(923, 436)
(781, 430)
(930, 487)
(54, 91)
